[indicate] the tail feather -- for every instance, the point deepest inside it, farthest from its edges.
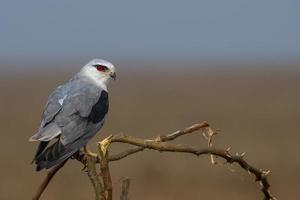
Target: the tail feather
(40, 149)
(46, 133)
(53, 155)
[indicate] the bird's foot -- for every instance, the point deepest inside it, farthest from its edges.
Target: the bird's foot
(84, 169)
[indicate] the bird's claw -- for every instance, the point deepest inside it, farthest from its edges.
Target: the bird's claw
(84, 169)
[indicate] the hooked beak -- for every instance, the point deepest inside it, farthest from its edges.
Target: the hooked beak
(113, 75)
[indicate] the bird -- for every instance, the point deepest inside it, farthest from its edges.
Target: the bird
(75, 111)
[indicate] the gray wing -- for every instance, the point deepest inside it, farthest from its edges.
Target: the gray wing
(54, 104)
(78, 119)
(65, 109)
(48, 131)
(74, 117)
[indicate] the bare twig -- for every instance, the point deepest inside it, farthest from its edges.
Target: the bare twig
(209, 134)
(94, 177)
(165, 138)
(125, 153)
(47, 180)
(125, 189)
(161, 144)
(104, 166)
(185, 131)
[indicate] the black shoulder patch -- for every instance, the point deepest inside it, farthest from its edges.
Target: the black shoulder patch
(100, 109)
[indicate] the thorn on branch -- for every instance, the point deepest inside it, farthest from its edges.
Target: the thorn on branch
(227, 150)
(243, 154)
(103, 186)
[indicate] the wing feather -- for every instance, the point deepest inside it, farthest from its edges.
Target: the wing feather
(46, 134)
(73, 117)
(73, 114)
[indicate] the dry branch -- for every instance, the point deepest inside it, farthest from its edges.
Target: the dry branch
(94, 177)
(161, 144)
(47, 180)
(125, 189)
(125, 153)
(104, 167)
(260, 175)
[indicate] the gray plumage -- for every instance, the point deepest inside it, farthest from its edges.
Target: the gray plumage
(74, 113)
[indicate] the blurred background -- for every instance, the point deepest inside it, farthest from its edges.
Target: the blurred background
(235, 64)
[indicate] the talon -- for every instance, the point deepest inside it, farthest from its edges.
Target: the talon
(84, 169)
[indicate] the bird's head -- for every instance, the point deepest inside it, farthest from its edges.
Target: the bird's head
(99, 71)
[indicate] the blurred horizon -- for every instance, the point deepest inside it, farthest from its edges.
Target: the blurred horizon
(10, 70)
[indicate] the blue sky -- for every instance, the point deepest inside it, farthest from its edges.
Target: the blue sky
(265, 30)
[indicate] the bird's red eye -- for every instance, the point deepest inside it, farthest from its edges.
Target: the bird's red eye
(101, 68)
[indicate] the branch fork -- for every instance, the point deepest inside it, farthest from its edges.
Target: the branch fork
(101, 178)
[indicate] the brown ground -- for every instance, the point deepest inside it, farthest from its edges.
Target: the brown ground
(257, 108)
